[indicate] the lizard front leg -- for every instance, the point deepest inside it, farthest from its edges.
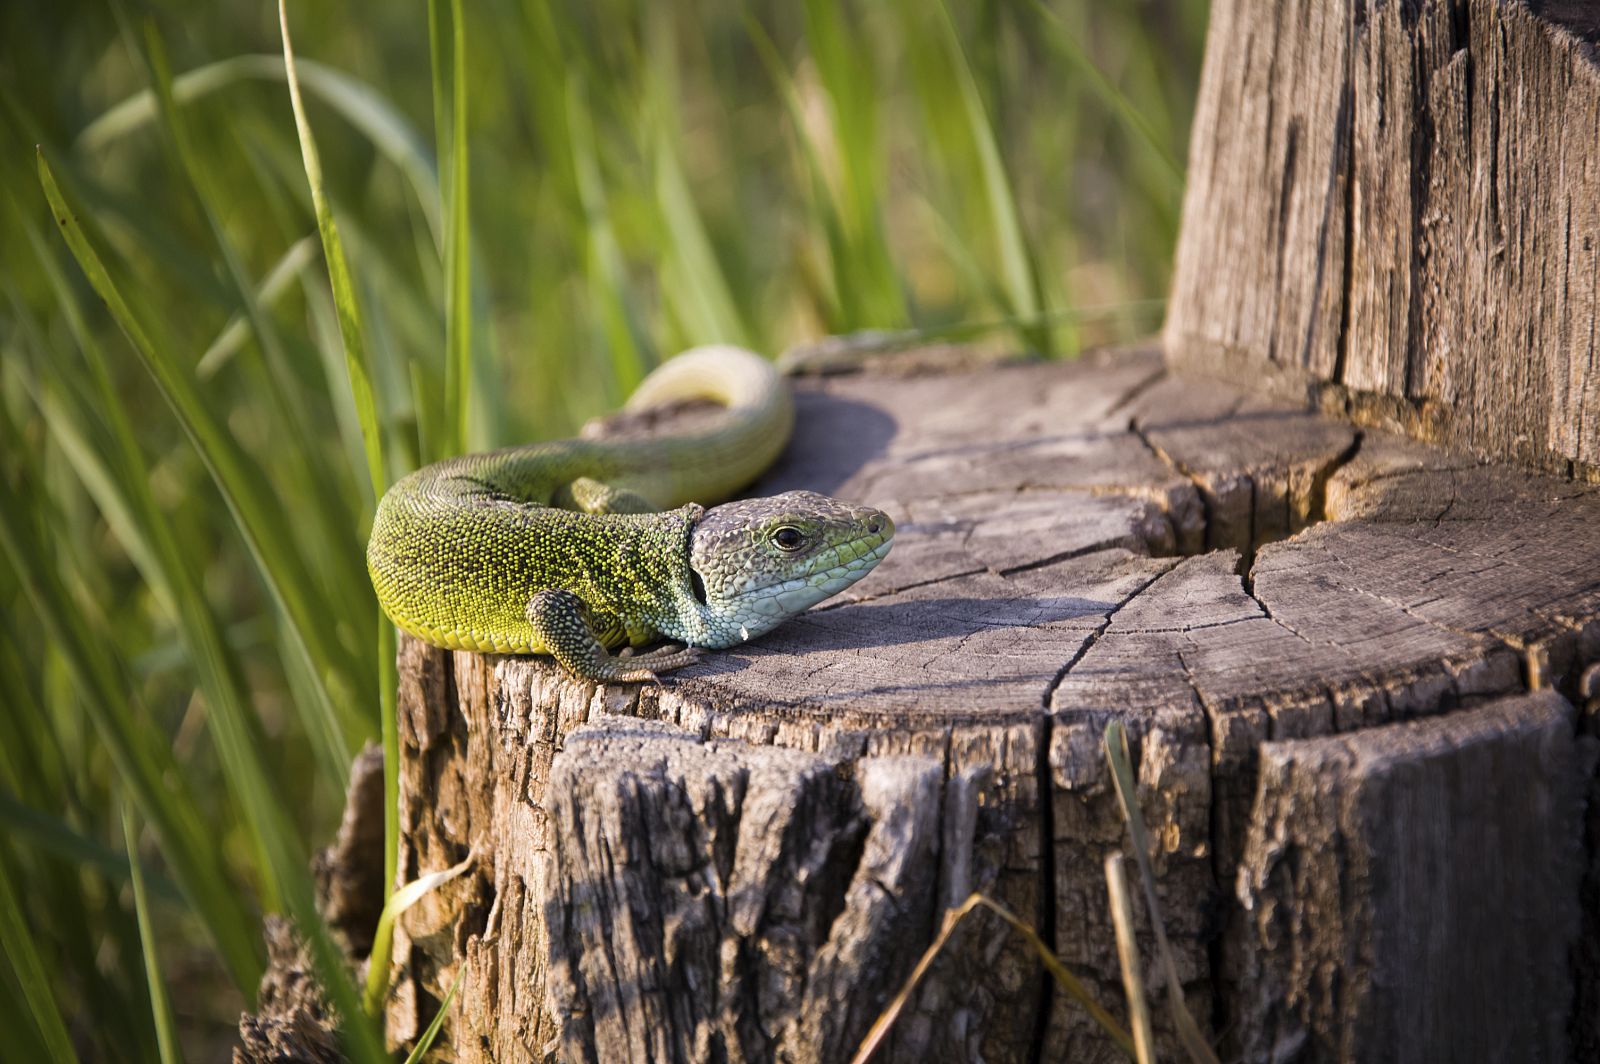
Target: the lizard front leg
(561, 622)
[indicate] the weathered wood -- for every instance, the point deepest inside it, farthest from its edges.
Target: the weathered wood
(747, 870)
(293, 1021)
(1371, 854)
(1398, 204)
(349, 874)
(700, 889)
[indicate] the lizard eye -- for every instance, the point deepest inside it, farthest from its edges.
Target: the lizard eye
(788, 538)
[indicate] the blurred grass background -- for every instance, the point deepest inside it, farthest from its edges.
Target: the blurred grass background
(189, 651)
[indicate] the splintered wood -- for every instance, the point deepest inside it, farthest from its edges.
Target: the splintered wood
(1317, 638)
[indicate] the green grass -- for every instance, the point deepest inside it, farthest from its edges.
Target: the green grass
(231, 314)
(30, 973)
(166, 1024)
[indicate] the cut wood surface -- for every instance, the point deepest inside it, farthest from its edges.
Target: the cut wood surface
(744, 863)
(1399, 204)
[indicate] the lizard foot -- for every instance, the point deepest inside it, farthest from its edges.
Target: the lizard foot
(562, 624)
(667, 658)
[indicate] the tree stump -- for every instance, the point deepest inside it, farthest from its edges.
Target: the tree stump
(1357, 669)
(1321, 641)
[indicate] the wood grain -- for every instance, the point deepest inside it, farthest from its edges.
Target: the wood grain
(1397, 205)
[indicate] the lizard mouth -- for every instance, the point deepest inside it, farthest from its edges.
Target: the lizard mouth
(853, 560)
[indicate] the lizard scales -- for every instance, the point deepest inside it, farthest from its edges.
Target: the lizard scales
(579, 547)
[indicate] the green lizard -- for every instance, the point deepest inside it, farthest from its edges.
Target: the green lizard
(580, 547)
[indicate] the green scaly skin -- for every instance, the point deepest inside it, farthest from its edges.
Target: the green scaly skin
(579, 547)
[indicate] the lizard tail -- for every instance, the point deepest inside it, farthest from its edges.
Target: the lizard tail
(709, 464)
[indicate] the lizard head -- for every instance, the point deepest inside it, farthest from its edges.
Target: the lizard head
(757, 562)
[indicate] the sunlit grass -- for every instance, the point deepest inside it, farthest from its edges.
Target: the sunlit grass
(231, 315)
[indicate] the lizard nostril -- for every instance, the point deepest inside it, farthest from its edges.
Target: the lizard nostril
(872, 529)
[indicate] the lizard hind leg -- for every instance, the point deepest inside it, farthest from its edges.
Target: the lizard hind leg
(561, 622)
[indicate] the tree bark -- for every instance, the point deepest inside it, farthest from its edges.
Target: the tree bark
(1397, 205)
(745, 863)
(1363, 868)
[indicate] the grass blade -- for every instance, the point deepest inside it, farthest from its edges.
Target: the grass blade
(1117, 756)
(119, 484)
(458, 245)
(425, 1043)
(839, 312)
(30, 745)
(701, 297)
(428, 438)
(699, 292)
(361, 1042)
(357, 102)
(160, 1005)
(135, 521)
(388, 693)
(56, 837)
(282, 863)
(157, 69)
(282, 854)
(1128, 957)
(325, 511)
(383, 940)
(865, 276)
(1068, 47)
(441, 108)
(16, 942)
(273, 285)
(143, 763)
(351, 329)
(1022, 286)
(22, 1036)
(259, 519)
(353, 335)
(1069, 983)
(609, 288)
(354, 339)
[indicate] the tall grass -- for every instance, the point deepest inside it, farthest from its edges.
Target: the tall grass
(229, 319)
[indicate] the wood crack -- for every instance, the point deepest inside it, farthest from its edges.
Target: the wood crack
(1093, 638)
(1166, 459)
(1038, 1051)
(1064, 556)
(1318, 504)
(1185, 628)
(1132, 394)
(1247, 580)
